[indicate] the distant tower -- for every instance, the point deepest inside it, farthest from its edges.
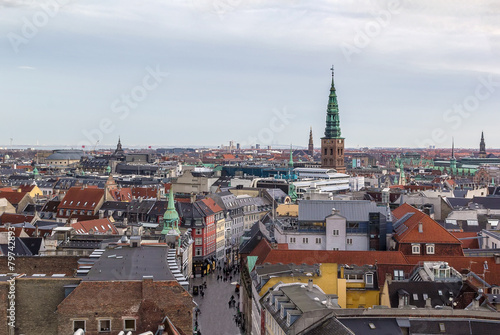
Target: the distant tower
(310, 149)
(453, 161)
(119, 149)
(332, 145)
(482, 147)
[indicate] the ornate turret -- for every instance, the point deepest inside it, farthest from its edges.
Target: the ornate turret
(290, 161)
(171, 217)
(332, 145)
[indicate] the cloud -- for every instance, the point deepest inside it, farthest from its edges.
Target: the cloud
(25, 67)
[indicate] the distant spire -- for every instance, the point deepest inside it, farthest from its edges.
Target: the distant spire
(290, 162)
(310, 148)
(482, 147)
(452, 148)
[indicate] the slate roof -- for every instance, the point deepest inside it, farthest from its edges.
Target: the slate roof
(134, 264)
(406, 228)
(383, 326)
(417, 289)
(352, 210)
(486, 202)
(20, 249)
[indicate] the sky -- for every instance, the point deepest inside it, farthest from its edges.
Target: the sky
(204, 72)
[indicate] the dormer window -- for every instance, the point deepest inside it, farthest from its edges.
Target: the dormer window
(415, 249)
(429, 248)
(420, 227)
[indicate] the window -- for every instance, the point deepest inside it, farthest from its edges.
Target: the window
(198, 241)
(371, 325)
(415, 248)
(78, 324)
(442, 328)
(429, 249)
(349, 241)
(318, 240)
(425, 296)
(335, 248)
(398, 275)
(415, 296)
(104, 325)
(305, 240)
(292, 239)
(369, 279)
(198, 251)
(335, 232)
(129, 324)
(198, 231)
(420, 227)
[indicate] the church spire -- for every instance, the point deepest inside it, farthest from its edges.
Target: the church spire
(310, 148)
(332, 129)
(482, 147)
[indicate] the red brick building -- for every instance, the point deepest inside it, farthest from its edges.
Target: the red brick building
(415, 233)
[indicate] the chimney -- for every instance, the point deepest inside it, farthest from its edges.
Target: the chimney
(334, 211)
(428, 304)
(497, 258)
(310, 285)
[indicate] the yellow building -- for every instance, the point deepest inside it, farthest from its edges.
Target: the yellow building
(323, 275)
(361, 289)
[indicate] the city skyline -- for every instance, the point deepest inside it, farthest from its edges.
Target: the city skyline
(201, 73)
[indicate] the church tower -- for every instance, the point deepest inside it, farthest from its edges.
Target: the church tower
(482, 147)
(310, 148)
(332, 145)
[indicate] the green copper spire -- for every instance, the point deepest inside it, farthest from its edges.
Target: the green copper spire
(108, 169)
(171, 217)
(290, 162)
(332, 129)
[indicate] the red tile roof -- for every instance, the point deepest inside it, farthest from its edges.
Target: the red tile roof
(122, 194)
(99, 226)
(408, 231)
(81, 198)
(15, 218)
(212, 205)
(470, 242)
(266, 254)
(144, 192)
(13, 197)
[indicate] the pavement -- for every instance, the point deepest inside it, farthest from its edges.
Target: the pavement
(216, 318)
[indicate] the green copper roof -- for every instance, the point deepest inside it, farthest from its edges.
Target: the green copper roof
(108, 169)
(35, 171)
(290, 162)
(171, 214)
(332, 129)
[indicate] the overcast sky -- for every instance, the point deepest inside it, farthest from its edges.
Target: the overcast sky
(204, 72)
